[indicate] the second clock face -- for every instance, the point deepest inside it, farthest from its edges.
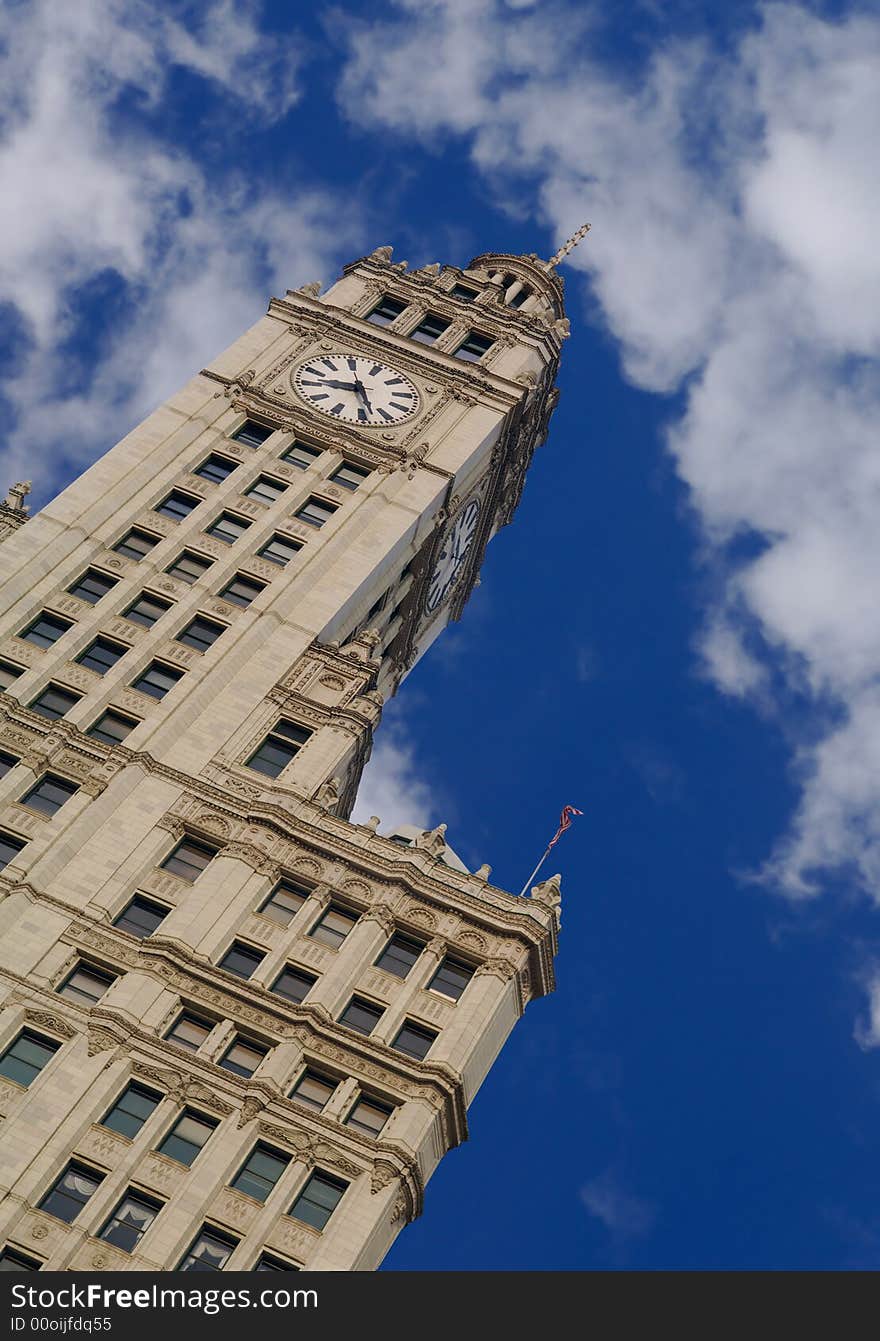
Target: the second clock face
(355, 389)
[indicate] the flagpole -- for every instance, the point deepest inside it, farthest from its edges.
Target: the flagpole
(536, 870)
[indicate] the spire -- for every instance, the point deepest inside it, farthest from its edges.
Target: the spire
(569, 245)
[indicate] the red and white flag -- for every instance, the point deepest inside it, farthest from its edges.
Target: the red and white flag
(564, 823)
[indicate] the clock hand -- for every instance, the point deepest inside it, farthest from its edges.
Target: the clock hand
(361, 391)
(340, 386)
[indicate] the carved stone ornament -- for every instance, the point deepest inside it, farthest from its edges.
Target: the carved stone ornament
(548, 892)
(196, 1093)
(498, 968)
(383, 915)
(328, 793)
(250, 1109)
(43, 1019)
(101, 1040)
(432, 840)
(398, 1211)
(383, 1175)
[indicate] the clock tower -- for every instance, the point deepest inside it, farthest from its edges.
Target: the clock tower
(238, 1031)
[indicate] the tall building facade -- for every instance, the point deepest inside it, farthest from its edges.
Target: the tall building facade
(238, 1031)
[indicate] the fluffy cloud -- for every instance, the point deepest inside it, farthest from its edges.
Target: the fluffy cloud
(734, 199)
(100, 205)
(392, 787)
(623, 1214)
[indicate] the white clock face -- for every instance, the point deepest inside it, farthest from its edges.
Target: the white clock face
(355, 389)
(454, 549)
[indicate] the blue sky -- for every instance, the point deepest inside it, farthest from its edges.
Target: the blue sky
(697, 548)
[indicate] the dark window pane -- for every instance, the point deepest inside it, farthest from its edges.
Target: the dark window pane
(7, 762)
(349, 476)
(314, 1090)
(141, 917)
(334, 926)
(451, 978)
(45, 630)
(294, 983)
(227, 528)
(462, 291)
(429, 329)
(242, 960)
(9, 674)
(9, 849)
(147, 609)
(315, 512)
(361, 1015)
(280, 550)
(242, 590)
(318, 1199)
(519, 297)
(201, 633)
(157, 679)
(131, 1110)
(12, 1260)
(386, 310)
(112, 727)
(243, 1058)
(130, 1221)
(189, 567)
(215, 468)
(136, 544)
(49, 794)
(210, 1252)
(261, 1172)
(102, 655)
(369, 1116)
(189, 859)
(177, 505)
(298, 454)
(279, 747)
(86, 985)
(399, 955)
(189, 1031)
(473, 347)
(54, 702)
(265, 490)
(252, 434)
(71, 1192)
(414, 1040)
(266, 1263)
(187, 1137)
(25, 1058)
(92, 586)
(284, 902)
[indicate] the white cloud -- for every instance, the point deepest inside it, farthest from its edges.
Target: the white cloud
(734, 201)
(392, 787)
(623, 1214)
(88, 193)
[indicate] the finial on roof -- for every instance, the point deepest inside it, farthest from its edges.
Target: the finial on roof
(569, 245)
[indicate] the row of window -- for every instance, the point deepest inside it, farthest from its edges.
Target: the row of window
(432, 326)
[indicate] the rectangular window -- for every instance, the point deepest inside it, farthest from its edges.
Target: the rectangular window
(429, 329)
(349, 476)
(187, 1137)
(361, 1015)
(49, 794)
(102, 655)
(265, 490)
(252, 434)
(130, 1221)
(12, 1260)
(369, 1116)
(280, 549)
(25, 1058)
(71, 1192)
(242, 590)
(45, 630)
(316, 512)
(261, 1172)
(54, 702)
(177, 505)
(279, 747)
(86, 985)
(132, 1109)
(9, 674)
(189, 567)
(211, 1250)
(216, 468)
(189, 859)
(473, 347)
(399, 955)
(92, 586)
(7, 762)
(301, 455)
(157, 679)
(141, 917)
(318, 1199)
(112, 727)
(189, 1031)
(284, 902)
(387, 309)
(519, 297)
(293, 983)
(9, 849)
(333, 926)
(414, 1040)
(314, 1090)
(201, 633)
(227, 528)
(147, 609)
(451, 978)
(462, 291)
(137, 544)
(243, 1058)
(264, 1263)
(242, 960)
